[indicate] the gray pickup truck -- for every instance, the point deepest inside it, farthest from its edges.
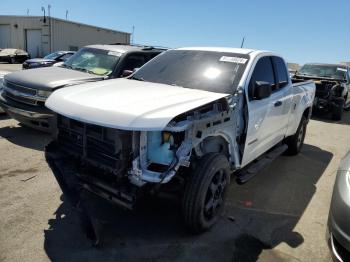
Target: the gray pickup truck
(23, 93)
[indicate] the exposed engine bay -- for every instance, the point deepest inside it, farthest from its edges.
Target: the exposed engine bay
(330, 95)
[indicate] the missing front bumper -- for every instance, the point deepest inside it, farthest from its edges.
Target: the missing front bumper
(72, 180)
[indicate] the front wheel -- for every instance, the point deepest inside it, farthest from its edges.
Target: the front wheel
(296, 141)
(205, 192)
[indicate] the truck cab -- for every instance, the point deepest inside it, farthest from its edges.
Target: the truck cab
(23, 93)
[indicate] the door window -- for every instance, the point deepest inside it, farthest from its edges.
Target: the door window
(133, 61)
(263, 71)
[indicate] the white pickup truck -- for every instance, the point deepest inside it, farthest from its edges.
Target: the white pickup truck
(182, 123)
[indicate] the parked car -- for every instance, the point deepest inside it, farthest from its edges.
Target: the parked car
(332, 86)
(2, 74)
(13, 56)
(26, 91)
(181, 123)
(338, 233)
(49, 60)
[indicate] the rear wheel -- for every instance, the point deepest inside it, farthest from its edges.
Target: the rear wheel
(205, 192)
(296, 141)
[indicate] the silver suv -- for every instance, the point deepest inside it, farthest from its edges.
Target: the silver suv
(24, 92)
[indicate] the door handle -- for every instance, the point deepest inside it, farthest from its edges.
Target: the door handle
(278, 103)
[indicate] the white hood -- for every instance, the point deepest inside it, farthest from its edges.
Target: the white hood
(127, 104)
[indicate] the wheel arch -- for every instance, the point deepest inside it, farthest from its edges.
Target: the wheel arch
(307, 113)
(217, 143)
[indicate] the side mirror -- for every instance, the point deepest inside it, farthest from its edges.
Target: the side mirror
(127, 73)
(262, 90)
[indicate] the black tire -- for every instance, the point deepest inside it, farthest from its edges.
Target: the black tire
(201, 206)
(295, 142)
(337, 111)
(12, 60)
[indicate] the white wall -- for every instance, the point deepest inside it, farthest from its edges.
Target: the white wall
(18, 25)
(66, 34)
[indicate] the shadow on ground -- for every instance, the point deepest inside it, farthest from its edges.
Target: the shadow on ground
(24, 136)
(4, 116)
(326, 117)
(259, 215)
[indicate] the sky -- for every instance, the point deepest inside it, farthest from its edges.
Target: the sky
(300, 31)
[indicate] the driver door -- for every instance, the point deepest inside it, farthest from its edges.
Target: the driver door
(264, 124)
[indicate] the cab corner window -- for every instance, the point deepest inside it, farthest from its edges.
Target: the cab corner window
(281, 72)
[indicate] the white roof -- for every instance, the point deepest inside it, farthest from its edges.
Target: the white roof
(251, 52)
(117, 48)
(220, 49)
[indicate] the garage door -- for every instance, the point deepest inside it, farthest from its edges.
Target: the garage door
(33, 40)
(5, 35)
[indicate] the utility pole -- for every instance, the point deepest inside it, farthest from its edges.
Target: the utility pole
(67, 14)
(43, 9)
(50, 27)
(27, 11)
(242, 42)
(132, 34)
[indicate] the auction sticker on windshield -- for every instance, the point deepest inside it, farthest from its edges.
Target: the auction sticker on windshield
(233, 59)
(341, 69)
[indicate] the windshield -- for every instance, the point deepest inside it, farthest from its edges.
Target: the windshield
(327, 71)
(205, 70)
(53, 56)
(94, 61)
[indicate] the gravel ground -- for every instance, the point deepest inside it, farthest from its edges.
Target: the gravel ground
(280, 215)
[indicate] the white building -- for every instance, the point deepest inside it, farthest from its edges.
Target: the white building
(39, 36)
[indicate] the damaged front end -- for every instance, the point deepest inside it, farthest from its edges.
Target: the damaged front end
(329, 94)
(121, 165)
(94, 158)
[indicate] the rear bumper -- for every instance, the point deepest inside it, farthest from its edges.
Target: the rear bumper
(39, 118)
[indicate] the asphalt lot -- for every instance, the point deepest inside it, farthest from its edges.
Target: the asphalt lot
(280, 215)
